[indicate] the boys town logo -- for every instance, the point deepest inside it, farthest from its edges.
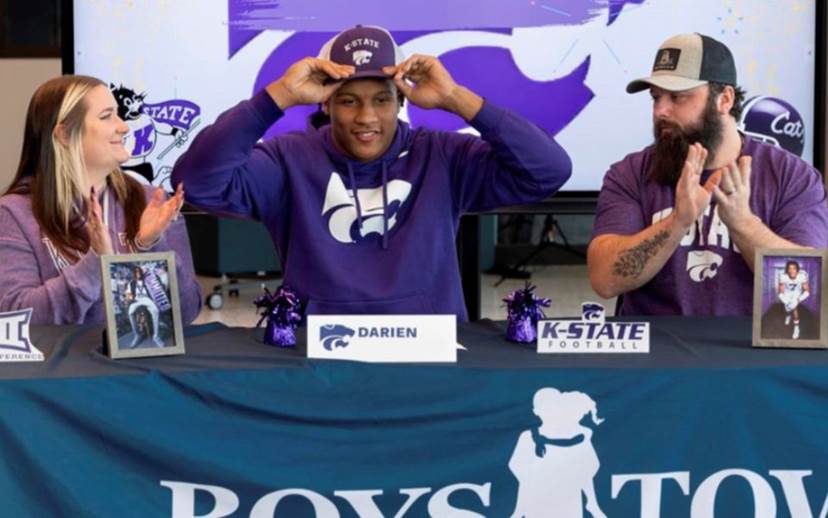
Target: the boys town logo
(555, 465)
(155, 130)
(15, 345)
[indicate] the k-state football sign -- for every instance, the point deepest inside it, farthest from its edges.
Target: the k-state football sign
(593, 334)
(383, 338)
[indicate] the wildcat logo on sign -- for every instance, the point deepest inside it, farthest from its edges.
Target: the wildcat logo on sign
(335, 335)
(593, 334)
(15, 345)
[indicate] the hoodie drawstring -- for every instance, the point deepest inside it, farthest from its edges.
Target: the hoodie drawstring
(358, 205)
(384, 205)
(352, 179)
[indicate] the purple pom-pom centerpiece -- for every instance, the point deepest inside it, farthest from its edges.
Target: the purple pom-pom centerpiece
(523, 310)
(283, 312)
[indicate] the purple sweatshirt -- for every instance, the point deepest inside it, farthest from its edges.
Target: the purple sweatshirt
(707, 275)
(34, 275)
(391, 248)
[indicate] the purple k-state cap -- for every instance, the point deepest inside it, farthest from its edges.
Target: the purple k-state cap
(366, 47)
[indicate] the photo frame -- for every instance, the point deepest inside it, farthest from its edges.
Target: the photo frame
(143, 311)
(789, 298)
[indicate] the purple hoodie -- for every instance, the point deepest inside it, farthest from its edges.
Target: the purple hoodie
(338, 251)
(34, 275)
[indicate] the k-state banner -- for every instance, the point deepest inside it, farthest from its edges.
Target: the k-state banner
(505, 433)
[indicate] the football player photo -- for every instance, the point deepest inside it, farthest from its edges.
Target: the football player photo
(142, 307)
(788, 298)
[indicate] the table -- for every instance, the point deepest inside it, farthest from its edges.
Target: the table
(702, 426)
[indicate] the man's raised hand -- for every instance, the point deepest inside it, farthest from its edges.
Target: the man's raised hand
(308, 81)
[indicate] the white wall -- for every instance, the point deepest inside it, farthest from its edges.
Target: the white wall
(20, 78)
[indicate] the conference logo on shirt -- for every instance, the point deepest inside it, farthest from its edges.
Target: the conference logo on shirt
(15, 345)
(340, 208)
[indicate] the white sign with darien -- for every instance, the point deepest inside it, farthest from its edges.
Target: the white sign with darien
(383, 338)
(593, 334)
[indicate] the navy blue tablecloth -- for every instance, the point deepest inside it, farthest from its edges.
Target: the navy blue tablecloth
(704, 425)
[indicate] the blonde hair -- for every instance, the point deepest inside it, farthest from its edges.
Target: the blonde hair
(52, 168)
(70, 179)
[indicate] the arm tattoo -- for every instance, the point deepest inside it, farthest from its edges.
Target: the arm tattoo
(633, 260)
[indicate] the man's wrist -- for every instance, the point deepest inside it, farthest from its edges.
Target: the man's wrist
(280, 95)
(745, 226)
(676, 226)
(463, 102)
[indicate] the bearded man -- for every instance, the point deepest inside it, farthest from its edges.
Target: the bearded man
(678, 223)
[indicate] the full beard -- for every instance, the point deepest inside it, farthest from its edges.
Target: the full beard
(671, 147)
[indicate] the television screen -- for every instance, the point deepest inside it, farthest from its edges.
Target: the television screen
(175, 66)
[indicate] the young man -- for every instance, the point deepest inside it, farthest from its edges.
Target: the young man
(678, 223)
(138, 296)
(793, 289)
(364, 210)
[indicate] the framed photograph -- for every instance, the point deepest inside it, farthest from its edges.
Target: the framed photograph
(143, 312)
(789, 298)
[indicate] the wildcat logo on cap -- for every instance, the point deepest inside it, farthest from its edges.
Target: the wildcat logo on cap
(362, 57)
(667, 59)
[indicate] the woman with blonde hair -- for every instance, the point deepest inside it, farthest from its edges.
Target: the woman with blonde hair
(70, 203)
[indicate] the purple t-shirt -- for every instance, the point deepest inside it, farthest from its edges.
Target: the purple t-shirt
(707, 275)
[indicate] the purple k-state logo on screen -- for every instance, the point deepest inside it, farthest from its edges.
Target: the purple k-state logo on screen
(335, 335)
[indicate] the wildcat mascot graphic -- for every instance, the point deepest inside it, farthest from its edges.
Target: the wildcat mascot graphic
(155, 130)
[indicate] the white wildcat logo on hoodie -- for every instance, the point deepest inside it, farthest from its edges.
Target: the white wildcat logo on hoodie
(340, 202)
